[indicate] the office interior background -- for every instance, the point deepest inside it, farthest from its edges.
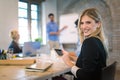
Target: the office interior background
(30, 18)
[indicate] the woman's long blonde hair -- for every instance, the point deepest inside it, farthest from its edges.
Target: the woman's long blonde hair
(92, 13)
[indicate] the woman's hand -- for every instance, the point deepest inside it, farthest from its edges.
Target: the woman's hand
(66, 58)
(73, 56)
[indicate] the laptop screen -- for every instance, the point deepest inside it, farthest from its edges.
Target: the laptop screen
(29, 48)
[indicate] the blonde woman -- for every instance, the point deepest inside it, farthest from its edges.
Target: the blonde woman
(93, 53)
(14, 44)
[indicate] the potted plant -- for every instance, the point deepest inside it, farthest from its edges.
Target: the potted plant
(38, 39)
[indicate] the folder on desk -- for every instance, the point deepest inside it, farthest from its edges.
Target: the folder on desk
(17, 62)
(41, 67)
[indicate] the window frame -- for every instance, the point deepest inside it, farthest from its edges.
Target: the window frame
(29, 18)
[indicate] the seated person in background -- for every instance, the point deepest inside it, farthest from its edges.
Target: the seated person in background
(74, 55)
(14, 44)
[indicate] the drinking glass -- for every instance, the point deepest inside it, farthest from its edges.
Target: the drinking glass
(10, 53)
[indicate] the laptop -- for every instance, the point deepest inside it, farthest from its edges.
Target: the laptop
(41, 67)
(29, 48)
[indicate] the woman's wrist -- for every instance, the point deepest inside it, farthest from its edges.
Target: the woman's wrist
(74, 70)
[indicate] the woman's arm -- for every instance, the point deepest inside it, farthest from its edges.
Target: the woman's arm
(58, 32)
(90, 57)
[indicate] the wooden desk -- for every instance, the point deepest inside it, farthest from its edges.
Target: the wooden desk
(19, 72)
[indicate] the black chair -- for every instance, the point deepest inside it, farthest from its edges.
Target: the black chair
(108, 73)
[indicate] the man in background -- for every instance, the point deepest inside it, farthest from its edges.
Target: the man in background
(78, 42)
(53, 32)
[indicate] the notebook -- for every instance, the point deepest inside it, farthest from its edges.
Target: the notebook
(29, 48)
(41, 67)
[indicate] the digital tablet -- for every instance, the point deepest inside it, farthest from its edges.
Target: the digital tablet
(59, 52)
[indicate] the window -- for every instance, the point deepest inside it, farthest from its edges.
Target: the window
(34, 22)
(29, 21)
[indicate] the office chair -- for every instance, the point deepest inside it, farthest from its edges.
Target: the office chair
(108, 73)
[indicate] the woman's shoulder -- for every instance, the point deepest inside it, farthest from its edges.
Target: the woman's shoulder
(92, 40)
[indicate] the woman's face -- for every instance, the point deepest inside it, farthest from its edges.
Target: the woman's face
(88, 25)
(17, 37)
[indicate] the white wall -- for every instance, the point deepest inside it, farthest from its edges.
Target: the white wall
(8, 20)
(51, 7)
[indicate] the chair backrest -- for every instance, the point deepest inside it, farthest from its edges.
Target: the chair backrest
(108, 73)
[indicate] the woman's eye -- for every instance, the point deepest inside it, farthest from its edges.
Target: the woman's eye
(88, 22)
(81, 23)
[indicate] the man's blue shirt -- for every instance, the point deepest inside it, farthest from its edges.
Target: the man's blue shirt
(52, 27)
